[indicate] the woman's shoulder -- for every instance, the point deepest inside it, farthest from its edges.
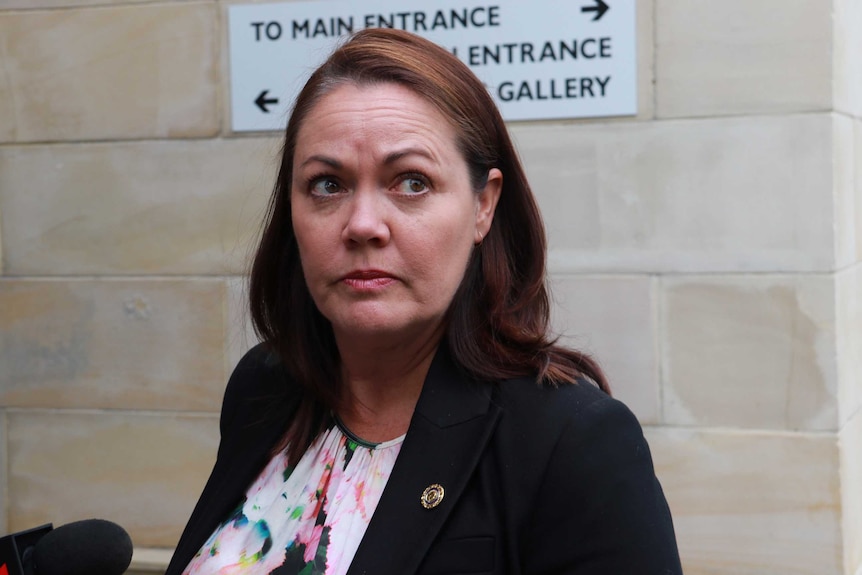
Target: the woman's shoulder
(259, 380)
(566, 402)
(259, 357)
(577, 414)
(593, 479)
(258, 367)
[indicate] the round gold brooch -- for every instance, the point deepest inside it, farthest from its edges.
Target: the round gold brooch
(432, 496)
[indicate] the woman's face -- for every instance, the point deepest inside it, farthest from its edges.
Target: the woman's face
(383, 211)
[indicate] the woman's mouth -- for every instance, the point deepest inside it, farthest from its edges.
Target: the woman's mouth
(368, 280)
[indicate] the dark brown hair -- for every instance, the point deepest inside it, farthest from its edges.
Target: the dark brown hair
(498, 324)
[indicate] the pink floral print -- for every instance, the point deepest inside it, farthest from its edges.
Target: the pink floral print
(303, 520)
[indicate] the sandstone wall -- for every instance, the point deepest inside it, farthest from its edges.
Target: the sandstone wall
(708, 250)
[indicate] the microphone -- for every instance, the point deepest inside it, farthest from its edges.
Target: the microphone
(14, 547)
(91, 547)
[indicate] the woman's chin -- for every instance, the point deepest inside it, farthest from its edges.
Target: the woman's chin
(372, 329)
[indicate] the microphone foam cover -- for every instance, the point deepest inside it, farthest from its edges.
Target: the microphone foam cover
(88, 547)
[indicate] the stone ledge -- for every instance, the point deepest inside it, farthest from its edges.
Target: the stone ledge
(148, 560)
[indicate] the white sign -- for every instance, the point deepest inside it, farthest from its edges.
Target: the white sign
(540, 59)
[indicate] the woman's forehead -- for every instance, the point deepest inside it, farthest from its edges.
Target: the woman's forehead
(354, 98)
(386, 117)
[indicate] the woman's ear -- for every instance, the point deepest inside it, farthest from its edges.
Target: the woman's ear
(487, 203)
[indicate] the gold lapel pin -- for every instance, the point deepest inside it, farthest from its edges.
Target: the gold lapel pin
(432, 496)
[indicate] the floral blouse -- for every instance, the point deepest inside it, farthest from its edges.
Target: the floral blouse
(306, 519)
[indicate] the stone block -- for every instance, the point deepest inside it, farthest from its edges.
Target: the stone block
(645, 38)
(755, 352)
(112, 344)
(752, 503)
(613, 318)
(733, 57)
(854, 205)
(857, 187)
(142, 471)
(45, 4)
(177, 207)
(4, 477)
(850, 444)
(240, 333)
(111, 72)
(727, 194)
(147, 561)
(847, 48)
(848, 304)
(847, 191)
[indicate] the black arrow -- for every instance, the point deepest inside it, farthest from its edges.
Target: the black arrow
(262, 101)
(600, 8)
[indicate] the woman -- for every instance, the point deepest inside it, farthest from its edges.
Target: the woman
(408, 412)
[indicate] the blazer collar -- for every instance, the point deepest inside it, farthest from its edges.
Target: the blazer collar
(453, 422)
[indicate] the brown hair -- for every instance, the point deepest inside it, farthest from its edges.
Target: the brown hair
(498, 325)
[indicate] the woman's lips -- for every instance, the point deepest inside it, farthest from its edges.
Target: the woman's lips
(367, 280)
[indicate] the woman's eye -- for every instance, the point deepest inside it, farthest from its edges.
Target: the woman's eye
(413, 185)
(325, 187)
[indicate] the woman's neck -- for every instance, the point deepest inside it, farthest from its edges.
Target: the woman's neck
(382, 384)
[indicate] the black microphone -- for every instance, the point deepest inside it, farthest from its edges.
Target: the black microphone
(14, 547)
(91, 547)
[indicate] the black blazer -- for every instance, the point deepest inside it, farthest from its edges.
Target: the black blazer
(537, 480)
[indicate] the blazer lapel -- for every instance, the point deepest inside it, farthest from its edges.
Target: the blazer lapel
(453, 421)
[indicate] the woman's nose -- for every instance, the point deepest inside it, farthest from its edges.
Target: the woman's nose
(367, 221)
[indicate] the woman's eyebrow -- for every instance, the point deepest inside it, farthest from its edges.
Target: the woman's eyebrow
(390, 158)
(393, 157)
(332, 162)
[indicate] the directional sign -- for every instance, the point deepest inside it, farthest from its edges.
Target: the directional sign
(265, 103)
(542, 59)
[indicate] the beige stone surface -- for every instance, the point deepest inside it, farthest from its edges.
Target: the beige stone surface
(847, 31)
(614, 319)
(240, 333)
(748, 503)
(645, 38)
(46, 4)
(142, 471)
(750, 351)
(723, 57)
(847, 154)
(119, 344)
(183, 207)
(149, 560)
(848, 304)
(4, 481)
(133, 71)
(852, 195)
(857, 187)
(850, 443)
(728, 194)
